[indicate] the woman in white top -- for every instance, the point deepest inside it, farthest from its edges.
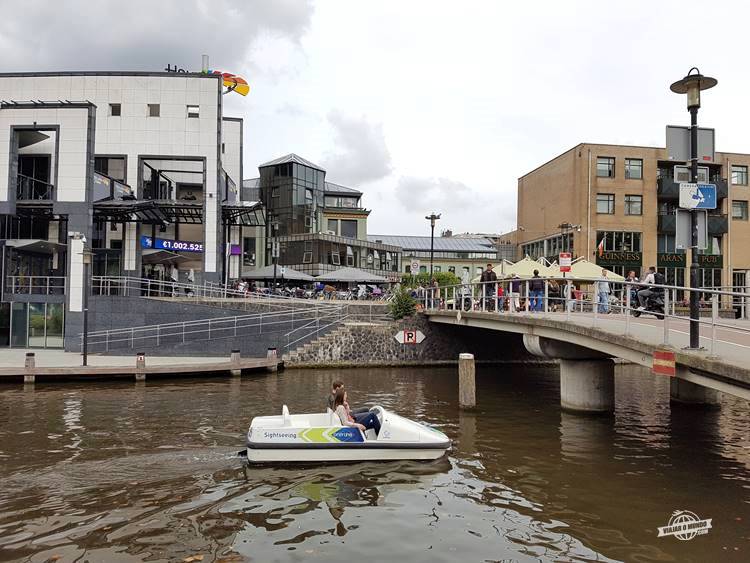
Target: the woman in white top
(341, 408)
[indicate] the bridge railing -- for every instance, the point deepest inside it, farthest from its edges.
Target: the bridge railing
(587, 297)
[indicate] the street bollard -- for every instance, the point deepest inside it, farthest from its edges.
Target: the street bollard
(466, 381)
(29, 367)
(627, 310)
(234, 359)
(528, 298)
(666, 318)
(140, 366)
(714, 319)
(273, 356)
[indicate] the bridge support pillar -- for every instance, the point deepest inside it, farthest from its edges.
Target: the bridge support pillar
(688, 393)
(587, 385)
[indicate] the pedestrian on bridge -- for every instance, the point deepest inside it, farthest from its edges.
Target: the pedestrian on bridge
(514, 301)
(489, 288)
(536, 290)
(604, 290)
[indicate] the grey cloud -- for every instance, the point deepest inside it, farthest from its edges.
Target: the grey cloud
(141, 34)
(362, 154)
(435, 193)
(462, 207)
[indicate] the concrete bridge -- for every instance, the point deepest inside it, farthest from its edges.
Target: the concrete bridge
(586, 344)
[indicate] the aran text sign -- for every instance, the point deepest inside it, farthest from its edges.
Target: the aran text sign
(409, 336)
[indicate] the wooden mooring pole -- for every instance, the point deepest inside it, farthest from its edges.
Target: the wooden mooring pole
(466, 381)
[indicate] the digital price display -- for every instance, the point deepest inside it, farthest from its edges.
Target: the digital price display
(173, 245)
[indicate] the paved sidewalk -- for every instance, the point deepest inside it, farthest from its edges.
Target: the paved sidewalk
(16, 357)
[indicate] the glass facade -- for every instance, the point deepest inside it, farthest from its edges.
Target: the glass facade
(31, 325)
(549, 247)
(315, 254)
(292, 194)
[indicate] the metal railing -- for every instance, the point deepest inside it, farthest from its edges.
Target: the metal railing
(565, 295)
(35, 285)
(31, 189)
(160, 335)
(293, 320)
(145, 287)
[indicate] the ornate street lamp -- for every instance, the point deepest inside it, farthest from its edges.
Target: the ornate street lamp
(432, 218)
(692, 85)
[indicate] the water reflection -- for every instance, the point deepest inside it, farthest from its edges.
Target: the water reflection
(136, 472)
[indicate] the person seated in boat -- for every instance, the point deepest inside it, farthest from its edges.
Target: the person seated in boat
(341, 408)
(332, 395)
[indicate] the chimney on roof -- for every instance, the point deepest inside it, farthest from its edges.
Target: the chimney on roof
(446, 233)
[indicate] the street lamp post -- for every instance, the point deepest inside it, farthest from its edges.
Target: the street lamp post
(692, 85)
(87, 259)
(432, 218)
(274, 252)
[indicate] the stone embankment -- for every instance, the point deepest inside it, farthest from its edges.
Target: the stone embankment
(359, 343)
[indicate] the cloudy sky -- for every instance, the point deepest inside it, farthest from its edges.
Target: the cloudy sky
(423, 105)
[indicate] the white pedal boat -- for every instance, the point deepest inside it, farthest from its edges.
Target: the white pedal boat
(321, 437)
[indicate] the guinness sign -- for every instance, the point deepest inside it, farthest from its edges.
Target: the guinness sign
(670, 260)
(620, 258)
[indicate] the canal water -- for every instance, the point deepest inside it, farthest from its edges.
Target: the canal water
(147, 472)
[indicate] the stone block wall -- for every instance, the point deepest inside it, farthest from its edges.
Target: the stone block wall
(360, 343)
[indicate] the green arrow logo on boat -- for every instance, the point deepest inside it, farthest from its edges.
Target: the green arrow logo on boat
(318, 435)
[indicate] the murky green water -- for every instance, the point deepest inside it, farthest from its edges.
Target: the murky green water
(146, 472)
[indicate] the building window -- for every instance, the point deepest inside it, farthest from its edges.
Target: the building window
(452, 269)
(665, 243)
(154, 110)
(115, 110)
(633, 205)
(193, 111)
(436, 268)
(739, 175)
(307, 258)
(605, 167)
(248, 251)
(348, 228)
(620, 241)
(333, 226)
(634, 169)
(739, 210)
(605, 204)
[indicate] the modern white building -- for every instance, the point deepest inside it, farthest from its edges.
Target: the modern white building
(142, 169)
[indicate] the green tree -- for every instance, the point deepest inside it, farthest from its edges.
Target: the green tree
(403, 304)
(443, 279)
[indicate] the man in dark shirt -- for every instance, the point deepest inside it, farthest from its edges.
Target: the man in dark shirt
(332, 395)
(489, 290)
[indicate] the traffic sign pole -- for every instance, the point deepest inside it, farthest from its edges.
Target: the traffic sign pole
(694, 297)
